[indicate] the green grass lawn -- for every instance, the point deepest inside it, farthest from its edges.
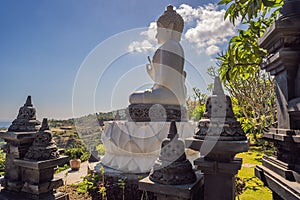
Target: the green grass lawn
(254, 188)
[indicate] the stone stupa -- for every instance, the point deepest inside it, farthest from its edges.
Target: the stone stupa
(219, 116)
(31, 159)
(26, 119)
(43, 147)
(172, 167)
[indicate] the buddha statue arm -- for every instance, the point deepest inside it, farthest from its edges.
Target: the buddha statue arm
(151, 71)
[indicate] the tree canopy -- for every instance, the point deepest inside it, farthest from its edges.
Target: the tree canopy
(252, 89)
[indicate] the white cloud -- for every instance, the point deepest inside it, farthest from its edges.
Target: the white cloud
(151, 32)
(148, 44)
(142, 46)
(210, 29)
(188, 13)
(213, 49)
(206, 30)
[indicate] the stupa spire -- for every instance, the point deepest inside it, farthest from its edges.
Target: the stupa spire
(218, 89)
(45, 125)
(28, 101)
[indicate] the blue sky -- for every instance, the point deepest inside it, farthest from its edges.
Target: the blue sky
(44, 44)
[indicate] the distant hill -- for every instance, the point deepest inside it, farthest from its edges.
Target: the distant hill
(83, 130)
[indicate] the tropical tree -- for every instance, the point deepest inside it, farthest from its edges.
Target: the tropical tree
(252, 90)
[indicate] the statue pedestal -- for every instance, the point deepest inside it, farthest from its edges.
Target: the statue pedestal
(17, 145)
(219, 178)
(173, 192)
(132, 147)
(38, 175)
(219, 166)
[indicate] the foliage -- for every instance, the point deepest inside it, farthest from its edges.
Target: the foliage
(77, 153)
(89, 183)
(243, 55)
(74, 153)
(101, 150)
(105, 116)
(2, 162)
(100, 186)
(196, 106)
(67, 138)
(62, 168)
(248, 10)
(198, 112)
(253, 100)
(59, 123)
(122, 183)
(251, 89)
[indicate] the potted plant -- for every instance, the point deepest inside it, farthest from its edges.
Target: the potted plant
(74, 154)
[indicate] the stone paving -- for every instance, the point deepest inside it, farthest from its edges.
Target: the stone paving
(73, 176)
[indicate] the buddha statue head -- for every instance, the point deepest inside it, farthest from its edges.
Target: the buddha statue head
(169, 26)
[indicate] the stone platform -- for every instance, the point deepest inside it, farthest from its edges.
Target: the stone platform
(281, 187)
(132, 147)
(172, 192)
(156, 112)
(95, 168)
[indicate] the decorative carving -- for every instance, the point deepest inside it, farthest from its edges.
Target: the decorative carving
(26, 119)
(172, 167)
(219, 121)
(157, 112)
(133, 147)
(43, 147)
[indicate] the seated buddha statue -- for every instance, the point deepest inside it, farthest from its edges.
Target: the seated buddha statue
(166, 67)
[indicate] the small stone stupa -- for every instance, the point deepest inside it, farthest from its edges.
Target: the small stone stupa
(43, 147)
(31, 159)
(219, 137)
(218, 122)
(26, 120)
(38, 167)
(172, 167)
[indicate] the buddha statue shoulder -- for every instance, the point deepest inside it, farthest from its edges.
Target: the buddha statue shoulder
(166, 66)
